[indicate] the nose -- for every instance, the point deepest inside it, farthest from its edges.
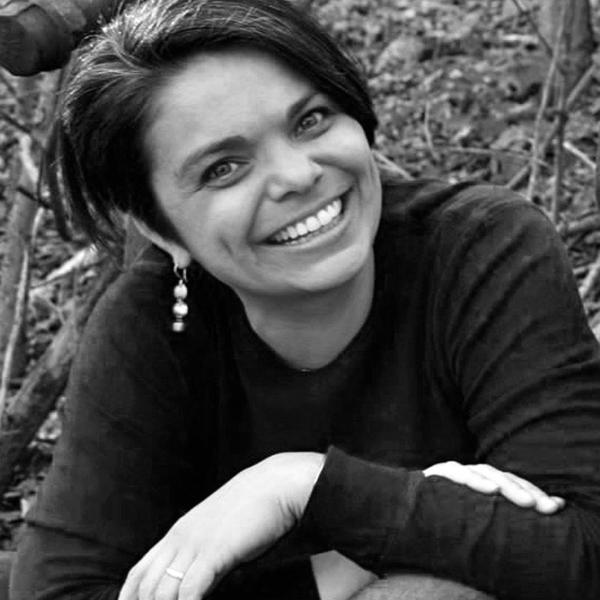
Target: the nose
(292, 171)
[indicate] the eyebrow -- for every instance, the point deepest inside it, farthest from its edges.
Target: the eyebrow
(232, 141)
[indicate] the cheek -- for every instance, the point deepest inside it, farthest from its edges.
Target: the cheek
(352, 147)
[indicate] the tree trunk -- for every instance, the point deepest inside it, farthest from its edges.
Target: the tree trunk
(577, 45)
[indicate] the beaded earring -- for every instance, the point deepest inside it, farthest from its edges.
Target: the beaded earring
(180, 308)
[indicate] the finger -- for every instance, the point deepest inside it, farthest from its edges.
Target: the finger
(129, 591)
(511, 489)
(199, 579)
(155, 572)
(479, 482)
(450, 470)
(461, 474)
(544, 503)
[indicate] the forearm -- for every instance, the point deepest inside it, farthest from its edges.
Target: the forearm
(387, 518)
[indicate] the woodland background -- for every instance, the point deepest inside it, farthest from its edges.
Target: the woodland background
(501, 90)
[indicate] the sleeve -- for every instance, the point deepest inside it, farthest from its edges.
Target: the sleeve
(123, 471)
(509, 331)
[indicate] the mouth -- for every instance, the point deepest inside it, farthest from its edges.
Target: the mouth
(313, 225)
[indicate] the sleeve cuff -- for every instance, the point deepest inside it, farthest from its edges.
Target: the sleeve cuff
(358, 507)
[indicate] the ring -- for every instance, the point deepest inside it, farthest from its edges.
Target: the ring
(174, 573)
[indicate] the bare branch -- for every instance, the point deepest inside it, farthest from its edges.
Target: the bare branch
(390, 165)
(582, 84)
(19, 314)
(590, 280)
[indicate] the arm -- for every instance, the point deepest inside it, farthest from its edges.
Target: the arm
(124, 471)
(511, 335)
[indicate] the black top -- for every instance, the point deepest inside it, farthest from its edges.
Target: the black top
(476, 349)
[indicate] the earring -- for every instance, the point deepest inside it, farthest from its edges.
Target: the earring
(180, 308)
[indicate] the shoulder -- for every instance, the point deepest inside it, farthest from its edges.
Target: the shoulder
(456, 213)
(139, 295)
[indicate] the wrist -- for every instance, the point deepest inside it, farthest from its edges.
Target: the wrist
(298, 473)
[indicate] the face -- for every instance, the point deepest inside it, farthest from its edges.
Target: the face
(268, 184)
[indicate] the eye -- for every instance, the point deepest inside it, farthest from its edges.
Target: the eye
(312, 121)
(221, 171)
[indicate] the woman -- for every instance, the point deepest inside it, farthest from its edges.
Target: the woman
(358, 378)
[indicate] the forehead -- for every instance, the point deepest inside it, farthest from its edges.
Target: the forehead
(227, 86)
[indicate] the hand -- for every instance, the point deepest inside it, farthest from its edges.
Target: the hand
(489, 480)
(337, 577)
(236, 523)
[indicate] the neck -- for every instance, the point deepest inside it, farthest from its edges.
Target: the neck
(309, 331)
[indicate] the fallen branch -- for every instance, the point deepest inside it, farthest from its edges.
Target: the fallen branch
(582, 226)
(590, 279)
(46, 382)
(84, 258)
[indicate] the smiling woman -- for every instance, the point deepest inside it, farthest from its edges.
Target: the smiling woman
(348, 382)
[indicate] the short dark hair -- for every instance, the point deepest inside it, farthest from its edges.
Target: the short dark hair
(98, 161)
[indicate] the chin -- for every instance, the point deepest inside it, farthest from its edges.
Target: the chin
(334, 273)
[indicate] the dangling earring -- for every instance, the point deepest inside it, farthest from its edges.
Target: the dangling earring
(180, 308)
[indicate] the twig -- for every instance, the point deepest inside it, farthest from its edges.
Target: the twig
(390, 165)
(559, 163)
(15, 122)
(583, 82)
(597, 176)
(429, 140)
(527, 15)
(21, 127)
(84, 258)
(535, 152)
(590, 279)
(534, 166)
(33, 197)
(561, 117)
(577, 153)
(9, 85)
(19, 315)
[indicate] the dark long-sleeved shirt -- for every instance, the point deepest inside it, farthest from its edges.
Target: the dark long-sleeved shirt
(476, 349)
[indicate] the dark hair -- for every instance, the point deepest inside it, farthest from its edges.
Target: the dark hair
(99, 163)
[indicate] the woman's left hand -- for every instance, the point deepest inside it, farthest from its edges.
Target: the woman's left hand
(236, 523)
(489, 480)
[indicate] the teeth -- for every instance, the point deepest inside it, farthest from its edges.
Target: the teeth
(302, 229)
(311, 224)
(324, 217)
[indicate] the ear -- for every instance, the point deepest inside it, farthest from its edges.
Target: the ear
(181, 257)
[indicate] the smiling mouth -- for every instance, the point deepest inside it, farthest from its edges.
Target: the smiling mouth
(323, 220)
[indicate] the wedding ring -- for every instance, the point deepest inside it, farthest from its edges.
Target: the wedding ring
(174, 573)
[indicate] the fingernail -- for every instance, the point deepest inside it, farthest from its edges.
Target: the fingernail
(550, 504)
